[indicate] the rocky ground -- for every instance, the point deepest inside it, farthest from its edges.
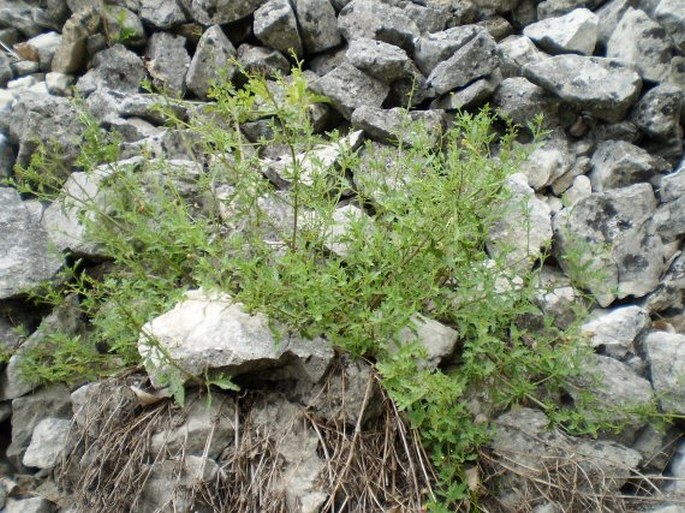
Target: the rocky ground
(609, 78)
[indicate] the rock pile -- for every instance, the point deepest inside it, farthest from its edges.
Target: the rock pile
(609, 78)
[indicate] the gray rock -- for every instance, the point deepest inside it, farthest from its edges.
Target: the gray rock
(613, 332)
(671, 15)
(349, 88)
(123, 26)
(671, 291)
(133, 129)
(7, 157)
(438, 341)
(30, 505)
(40, 48)
(24, 17)
(431, 49)
(604, 87)
(6, 73)
(643, 44)
(275, 25)
(114, 68)
(27, 256)
(521, 101)
(608, 16)
(549, 161)
(618, 164)
(575, 32)
(163, 14)
(556, 297)
(523, 439)
(212, 55)
(428, 19)
(219, 12)
(411, 89)
(614, 239)
(377, 59)
(168, 62)
(477, 58)
(487, 8)
(29, 410)
(194, 332)
(198, 423)
(666, 359)
(326, 62)
(550, 8)
(376, 20)
(262, 61)
(59, 84)
(318, 25)
(72, 54)
(525, 228)
(658, 112)
(48, 443)
(392, 125)
(497, 26)
(471, 95)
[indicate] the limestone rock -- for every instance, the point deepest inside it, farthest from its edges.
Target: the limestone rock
(24, 16)
(212, 55)
(621, 248)
(432, 49)
(48, 443)
(549, 161)
(517, 51)
(618, 164)
(575, 32)
(524, 229)
(40, 49)
(666, 360)
(427, 18)
(29, 410)
(275, 25)
(671, 291)
(349, 88)
(318, 25)
(123, 25)
(658, 112)
(555, 296)
(377, 59)
(642, 43)
(377, 20)
(608, 17)
(168, 62)
(521, 101)
(205, 332)
(613, 332)
(388, 125)
(439, 341)
(604, 87)
(114, 68)
(219, 12)
(30, 505)
(263, 61)
(27, 256)
(163, 14)
(671, 15)
(471, 95)
(477, 58)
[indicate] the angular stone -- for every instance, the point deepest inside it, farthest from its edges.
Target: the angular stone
(318, 25)
(262, 61)
(163, 14)
(618, 164)
(376, 20)
(658, 112)
(72, 54)
(671, 15)
(477, 58)
(275, 25)
(29, 410)
(27, 256)
(377, 59)
(114, 68)
(521, 101)
(40, 49)
(411, 89)
(550, 8)
(438, 341)
(349, 88)
(556, 297)
(613, 332)
(195, 425)
(608, 16)
(670, 294)
(392, 125)
(219, 12)
(30, 505)
(549, 161)
(212, 55)
(575, 32)
(48, 443)
(428, 19)
(524, 229)
(123, 25)
(211, 332)
(168, 62)
(604, 87)
(623, 253)
(643, 44)
(431, 49)
(515, 52)
(666, 359)
(473, 94)
(24, 17)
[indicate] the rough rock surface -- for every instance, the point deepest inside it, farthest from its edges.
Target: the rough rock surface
(168, 62)
(193, 334)
(211, 59)
(318, 25)
(614, 332)
(48, 443)
(275, 25)
(380, 60)
(377, 20)
(575, 32)
(667, 364)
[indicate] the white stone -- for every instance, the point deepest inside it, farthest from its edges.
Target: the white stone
(575, 32)
(48, 443)
(615, 330)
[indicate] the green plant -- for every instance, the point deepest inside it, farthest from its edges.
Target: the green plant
(353, 251)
